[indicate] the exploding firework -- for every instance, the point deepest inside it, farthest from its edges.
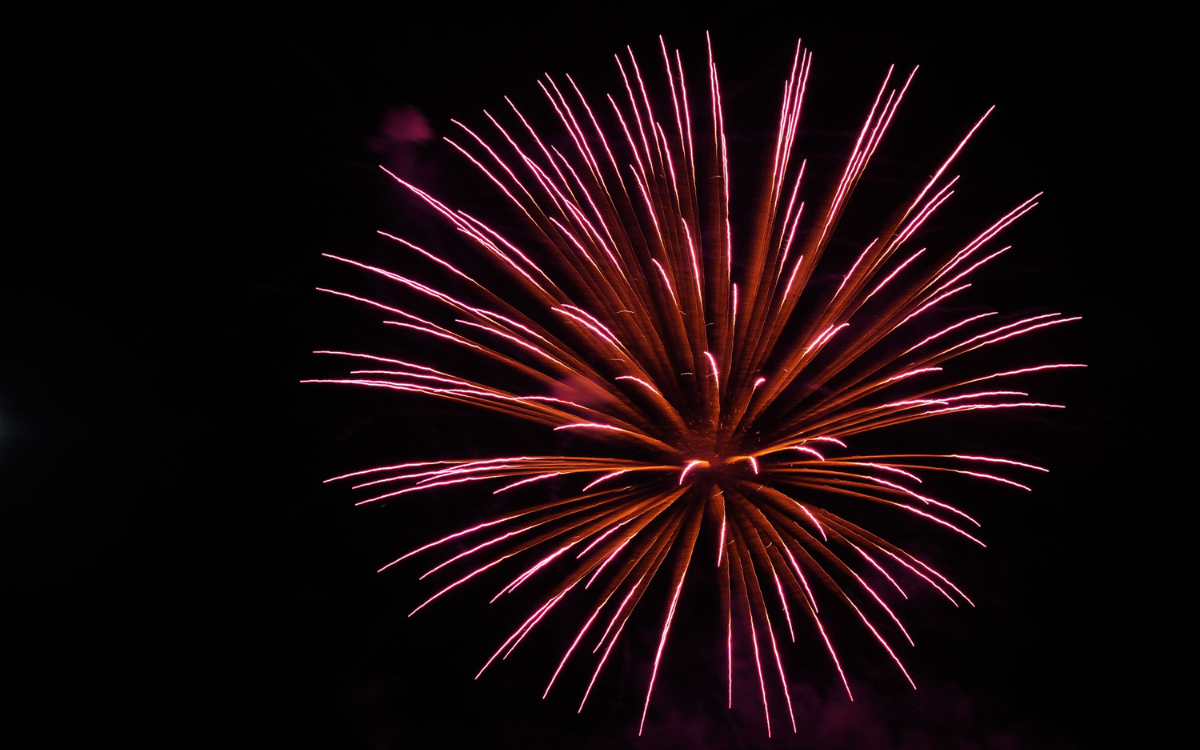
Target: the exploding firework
(633, 317)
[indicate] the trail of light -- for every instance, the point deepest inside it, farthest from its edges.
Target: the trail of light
(525, 576)
(617, 615)
(884, 643)
(574, 241)
(806, 449)
(791, 235)
(527, 481)
(980, 394)
(695, 266)
(939, 298)
(476, 548)
(992, 477)
(1030, 328)
(946, 164)
(603, 659)
(892, 275)
(824, 337)
(607, 560)
(576, 132)
(977, 264)
(529, 628)
(885, 467)
(943, 579)
(519, 342)
(754, 642)
(1021, 372)
(922, 498)
(666, 281)
(602, 329)
(992, 459)
(785, 236)
(852, 163)
(721, 545)
(650, 208)
(437, 332)
(787, 696)
(788, 289)
(987, 234)
(973, 407)
(462, 580)
(783, 602)
(601, 479)
(444, 539)
(574, 643)
(488, 172)
(639, 381)
(365, 301)
(997, 330)
(690, 465)
(601, 538)
(813, 518)
(713, 364)
(516, 250)
(415, 376)
(812, 600)
(662, 642)
(541, 175)
(881, 569)
(833, 654)
(937, 520)
(603, 140)
(602, 334)
(429, 255)
(926, 211)
(910, 373)
(641, 169)
(525, 628)
(385, 468)
(854, 267)
(948, 329)
(457, 219)
(432, 476)
(729, 629)
(916, 572)
(591, 425)
(417, 489)
(883, 604)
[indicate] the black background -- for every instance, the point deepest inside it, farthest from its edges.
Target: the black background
(173, 565)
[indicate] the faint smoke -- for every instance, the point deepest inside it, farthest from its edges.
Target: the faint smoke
(402, 130)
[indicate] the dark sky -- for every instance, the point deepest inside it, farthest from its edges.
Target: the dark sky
(174, 566)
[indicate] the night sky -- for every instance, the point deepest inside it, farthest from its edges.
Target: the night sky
(174, 566)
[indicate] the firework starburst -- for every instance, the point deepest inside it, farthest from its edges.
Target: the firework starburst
(632, 316)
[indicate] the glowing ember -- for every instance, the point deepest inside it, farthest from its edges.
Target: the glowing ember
(646, 328)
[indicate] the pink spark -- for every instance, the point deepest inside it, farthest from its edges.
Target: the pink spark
(691, 465)
(527, 481)
(610, 475)
(806, 449)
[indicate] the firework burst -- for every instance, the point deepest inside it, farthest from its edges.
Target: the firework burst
(639, 322)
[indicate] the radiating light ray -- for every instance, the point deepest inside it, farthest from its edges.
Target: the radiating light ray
(626, 273)
(609, 475)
